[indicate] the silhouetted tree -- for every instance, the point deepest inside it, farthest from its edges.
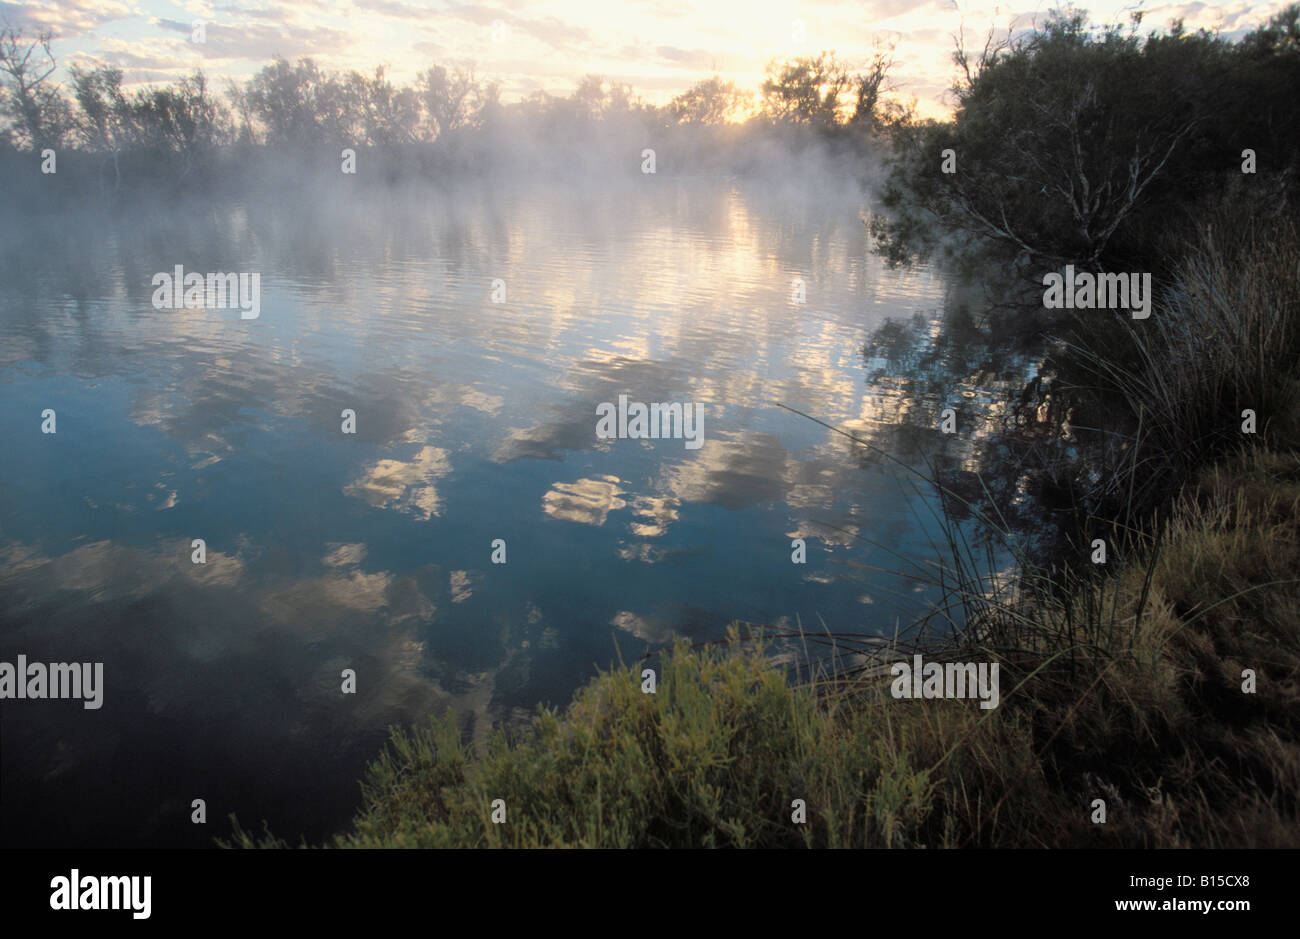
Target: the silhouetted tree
(301, 105)
(388, 116)
(710, 101)
(448, 98)
(807, 90)
(105, 122)
(180, 120)
(870, 84)
(38, 114)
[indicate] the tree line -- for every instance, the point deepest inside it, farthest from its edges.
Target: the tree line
(298, 104)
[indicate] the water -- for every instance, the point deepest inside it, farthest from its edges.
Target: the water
(474, 421)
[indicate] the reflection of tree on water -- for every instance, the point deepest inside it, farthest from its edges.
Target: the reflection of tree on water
(1016, 453)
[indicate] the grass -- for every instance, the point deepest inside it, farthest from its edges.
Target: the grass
(1126, 685)
(1224, 339)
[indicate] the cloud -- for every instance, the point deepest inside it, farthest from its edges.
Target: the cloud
(175, 26)
(478, 13)
(692, 58)
(394, 8)
(261, 43)
(556, 33)
(174, 52)
(66, 19)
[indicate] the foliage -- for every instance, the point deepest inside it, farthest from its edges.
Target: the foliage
(1072, 142)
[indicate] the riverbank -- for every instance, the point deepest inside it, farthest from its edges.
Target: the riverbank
(1145, 711)
(1159, 694)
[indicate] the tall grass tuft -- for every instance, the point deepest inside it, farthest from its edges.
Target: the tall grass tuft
(1224, 339)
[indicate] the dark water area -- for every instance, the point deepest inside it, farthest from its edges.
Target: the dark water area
(475, 421)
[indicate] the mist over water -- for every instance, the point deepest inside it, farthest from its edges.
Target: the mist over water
(475, 421)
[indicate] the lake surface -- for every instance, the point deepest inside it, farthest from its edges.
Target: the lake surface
(475, 421)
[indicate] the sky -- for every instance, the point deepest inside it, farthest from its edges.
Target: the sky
(660, 47)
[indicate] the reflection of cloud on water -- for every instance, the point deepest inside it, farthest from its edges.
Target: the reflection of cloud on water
(463, 584)
(814, 531)
(110, 573)
(600, 375)
(735, 472)
(647, 553)
(653, 516)
(657, 513)
(641, 628)
(545, 443)
(171, 634)
(344, 555)
(480, 401)
(322, 600)
(404, 486)
(587, 501)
